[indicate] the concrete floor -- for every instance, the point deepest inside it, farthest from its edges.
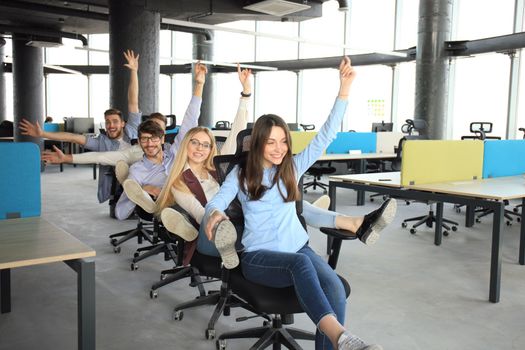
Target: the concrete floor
(406, 292)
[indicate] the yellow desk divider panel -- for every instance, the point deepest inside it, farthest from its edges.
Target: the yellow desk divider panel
(301, 139)
(429, 161)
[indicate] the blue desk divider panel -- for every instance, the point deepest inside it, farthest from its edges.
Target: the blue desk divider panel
(19, 180)
(346, 141)
(503, 158)
(51, 127)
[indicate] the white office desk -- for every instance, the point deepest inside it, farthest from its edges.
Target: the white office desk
(488, 193)
(34, 241)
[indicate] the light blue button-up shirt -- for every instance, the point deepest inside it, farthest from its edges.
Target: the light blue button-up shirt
(145, 172)
(270, 222)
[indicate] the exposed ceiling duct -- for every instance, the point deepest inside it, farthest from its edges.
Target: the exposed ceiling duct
(38, 33)
(277, 8)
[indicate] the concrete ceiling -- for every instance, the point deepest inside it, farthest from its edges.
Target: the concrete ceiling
(91, 16)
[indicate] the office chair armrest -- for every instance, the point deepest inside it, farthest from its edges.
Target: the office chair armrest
(337, 233)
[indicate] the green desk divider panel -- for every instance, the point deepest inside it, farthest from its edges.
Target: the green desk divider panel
(503, 158)
(19, 180)
(301, 139)
(429, 161)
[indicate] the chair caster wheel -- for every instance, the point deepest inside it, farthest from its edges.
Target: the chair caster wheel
(210, 334)
(116, 250)
(404, 225)
(153, 294)
(305, 191)
(407, 202)
(458, 210)
(178, 315)
(162, 276)
(478, 220)
(113, 241)
(454, 228)
(518, 219)
(445, 233)
(413, 231)
(509, 223)
(371, 199)
(136, 254)
(515, 210)
(134, 267)
(325, 191)
(221, 344)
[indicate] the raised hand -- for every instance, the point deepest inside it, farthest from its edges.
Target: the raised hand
(245, 79)
(30, 129)
(132, 59)
(200, 73)
(346, 76)
(54, 157)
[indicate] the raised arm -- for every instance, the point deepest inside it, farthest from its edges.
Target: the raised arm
(35, 130)
(241, 118)
(191, 117)
(133, 87)
(328, 131)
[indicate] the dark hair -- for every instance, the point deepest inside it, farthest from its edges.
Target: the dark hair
(159, 116)
(251, 173)
(112, 111)
(150, 127)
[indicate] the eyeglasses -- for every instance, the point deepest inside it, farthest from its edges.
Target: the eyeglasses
(144, 139)
(196, 143)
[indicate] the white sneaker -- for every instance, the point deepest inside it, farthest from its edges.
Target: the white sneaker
(322, 202)
(177, 224)
(349, 341)
(138, 196)
(224, 239)
(121, 171)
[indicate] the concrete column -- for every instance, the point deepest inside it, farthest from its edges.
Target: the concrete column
(28, 86)
(131, 26)
(203, 50)
(432, 68)
(2, 83)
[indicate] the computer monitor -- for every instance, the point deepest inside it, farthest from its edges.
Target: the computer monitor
(83, 125)
(380, 127)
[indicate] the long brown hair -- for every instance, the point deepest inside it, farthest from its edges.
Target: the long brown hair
(175, 179)
(252, 172)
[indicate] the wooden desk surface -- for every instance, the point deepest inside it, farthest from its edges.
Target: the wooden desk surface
(391, 179)
(33, 241)
(499, 188)
(346, 156)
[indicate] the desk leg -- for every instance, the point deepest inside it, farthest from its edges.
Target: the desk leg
(94, 171)
(495, 259)
(5, 291)
(86, 302)
(470, 215)
(522, 235)
(332, 194)
(439, 220)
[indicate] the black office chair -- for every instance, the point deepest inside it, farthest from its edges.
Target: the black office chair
(219, 141)
(317, 170)
(144, 229)
(222, 125)
(481, 131)
(420, 126)
(276, 305)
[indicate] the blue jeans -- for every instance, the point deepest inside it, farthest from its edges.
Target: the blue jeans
(204, 245)
(319, 290)
(318, 217)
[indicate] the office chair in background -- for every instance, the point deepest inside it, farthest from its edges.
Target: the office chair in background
(222, 125)
(317, 170)
(420, 126)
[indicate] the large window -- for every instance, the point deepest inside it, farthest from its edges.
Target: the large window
(268, 48)
(479, 18)
(98, 98)
(67, 54)
(481, 93)
(99, 42)
(319, 89)
(372, 25)
(276, 94)
(234, 47)
(61, 103)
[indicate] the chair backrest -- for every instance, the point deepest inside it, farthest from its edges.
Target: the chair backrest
(396, 163)
(171, 122)
(243, 141)
(308, 127)
(414, 125)
(222, 125)
(219, 141)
